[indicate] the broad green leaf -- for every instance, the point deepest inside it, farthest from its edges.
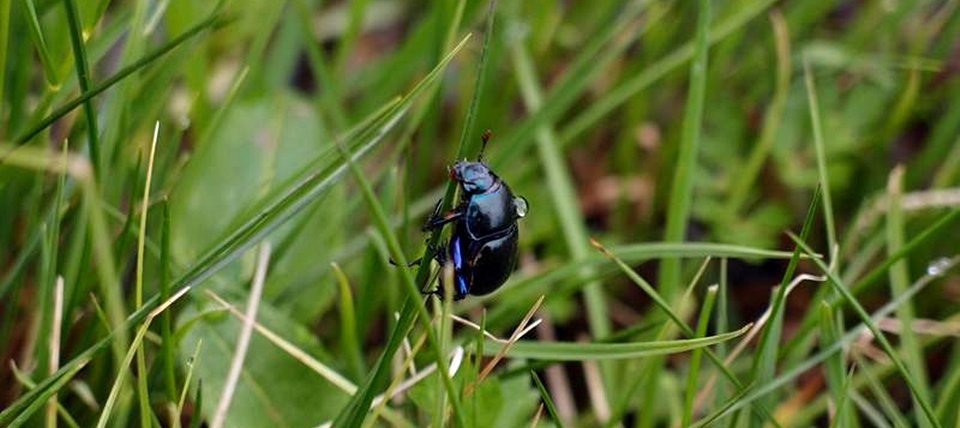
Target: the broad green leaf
(274, 388)
(259, 147)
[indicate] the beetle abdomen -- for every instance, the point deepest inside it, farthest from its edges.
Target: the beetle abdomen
(493, 262)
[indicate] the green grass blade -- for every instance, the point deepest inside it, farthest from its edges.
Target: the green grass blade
(586, 66)
(349, 37)
(143, 391)
(43, 392)
(413, 291)
(765, 359)
(834, 366)
(20, 406)
(166, 323)
(83, 77)
(330, 100)
(820, 146)
(545, 395)
(887, 403)
(908, 377)
(746, 177)
(694, 372)
(291, 201)
(681, 193)
(950, 168)
(355, 410)
(36, 34)
(722, 322)
(578, 351)
(678, 321)
(899, 281)
(447, 200)
(468, 133)
(524, 290)
(4, 42)
(724, 409)
(349, 343)
(197, 420)
(880, 271)
(561, 189)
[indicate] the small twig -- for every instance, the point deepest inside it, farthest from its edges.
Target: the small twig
(536, 417)
(517, 333)
(489, 335)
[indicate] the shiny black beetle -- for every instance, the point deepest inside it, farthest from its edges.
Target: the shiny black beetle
(483, 246)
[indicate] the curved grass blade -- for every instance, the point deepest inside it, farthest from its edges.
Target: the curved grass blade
(579, 351)
(527, 289)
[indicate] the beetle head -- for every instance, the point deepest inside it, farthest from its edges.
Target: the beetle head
(474, 177)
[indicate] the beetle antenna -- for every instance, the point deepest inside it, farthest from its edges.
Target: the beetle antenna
(485, 137)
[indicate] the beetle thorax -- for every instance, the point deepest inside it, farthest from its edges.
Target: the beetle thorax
(474, 177)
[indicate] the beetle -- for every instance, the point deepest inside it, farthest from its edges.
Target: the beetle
(483, 245)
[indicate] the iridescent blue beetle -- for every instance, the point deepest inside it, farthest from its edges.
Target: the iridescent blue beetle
(483, 246)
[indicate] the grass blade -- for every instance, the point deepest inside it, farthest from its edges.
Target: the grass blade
(562, 193)
(694, 372)
(36, 34)
(765, 360)
(820, 146)
(899, 281)
(551, 408)
(166, 344)
(355, 411)
(578, 351)
(681, 193)
(834, 367)
(912, 383)
(413, 291)
(4, 42)
(142, 390)
(83, 78)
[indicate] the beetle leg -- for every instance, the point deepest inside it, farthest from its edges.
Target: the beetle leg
(409, 264)
(439, 219)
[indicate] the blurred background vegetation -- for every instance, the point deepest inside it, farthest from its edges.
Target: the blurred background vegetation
(642, 124)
